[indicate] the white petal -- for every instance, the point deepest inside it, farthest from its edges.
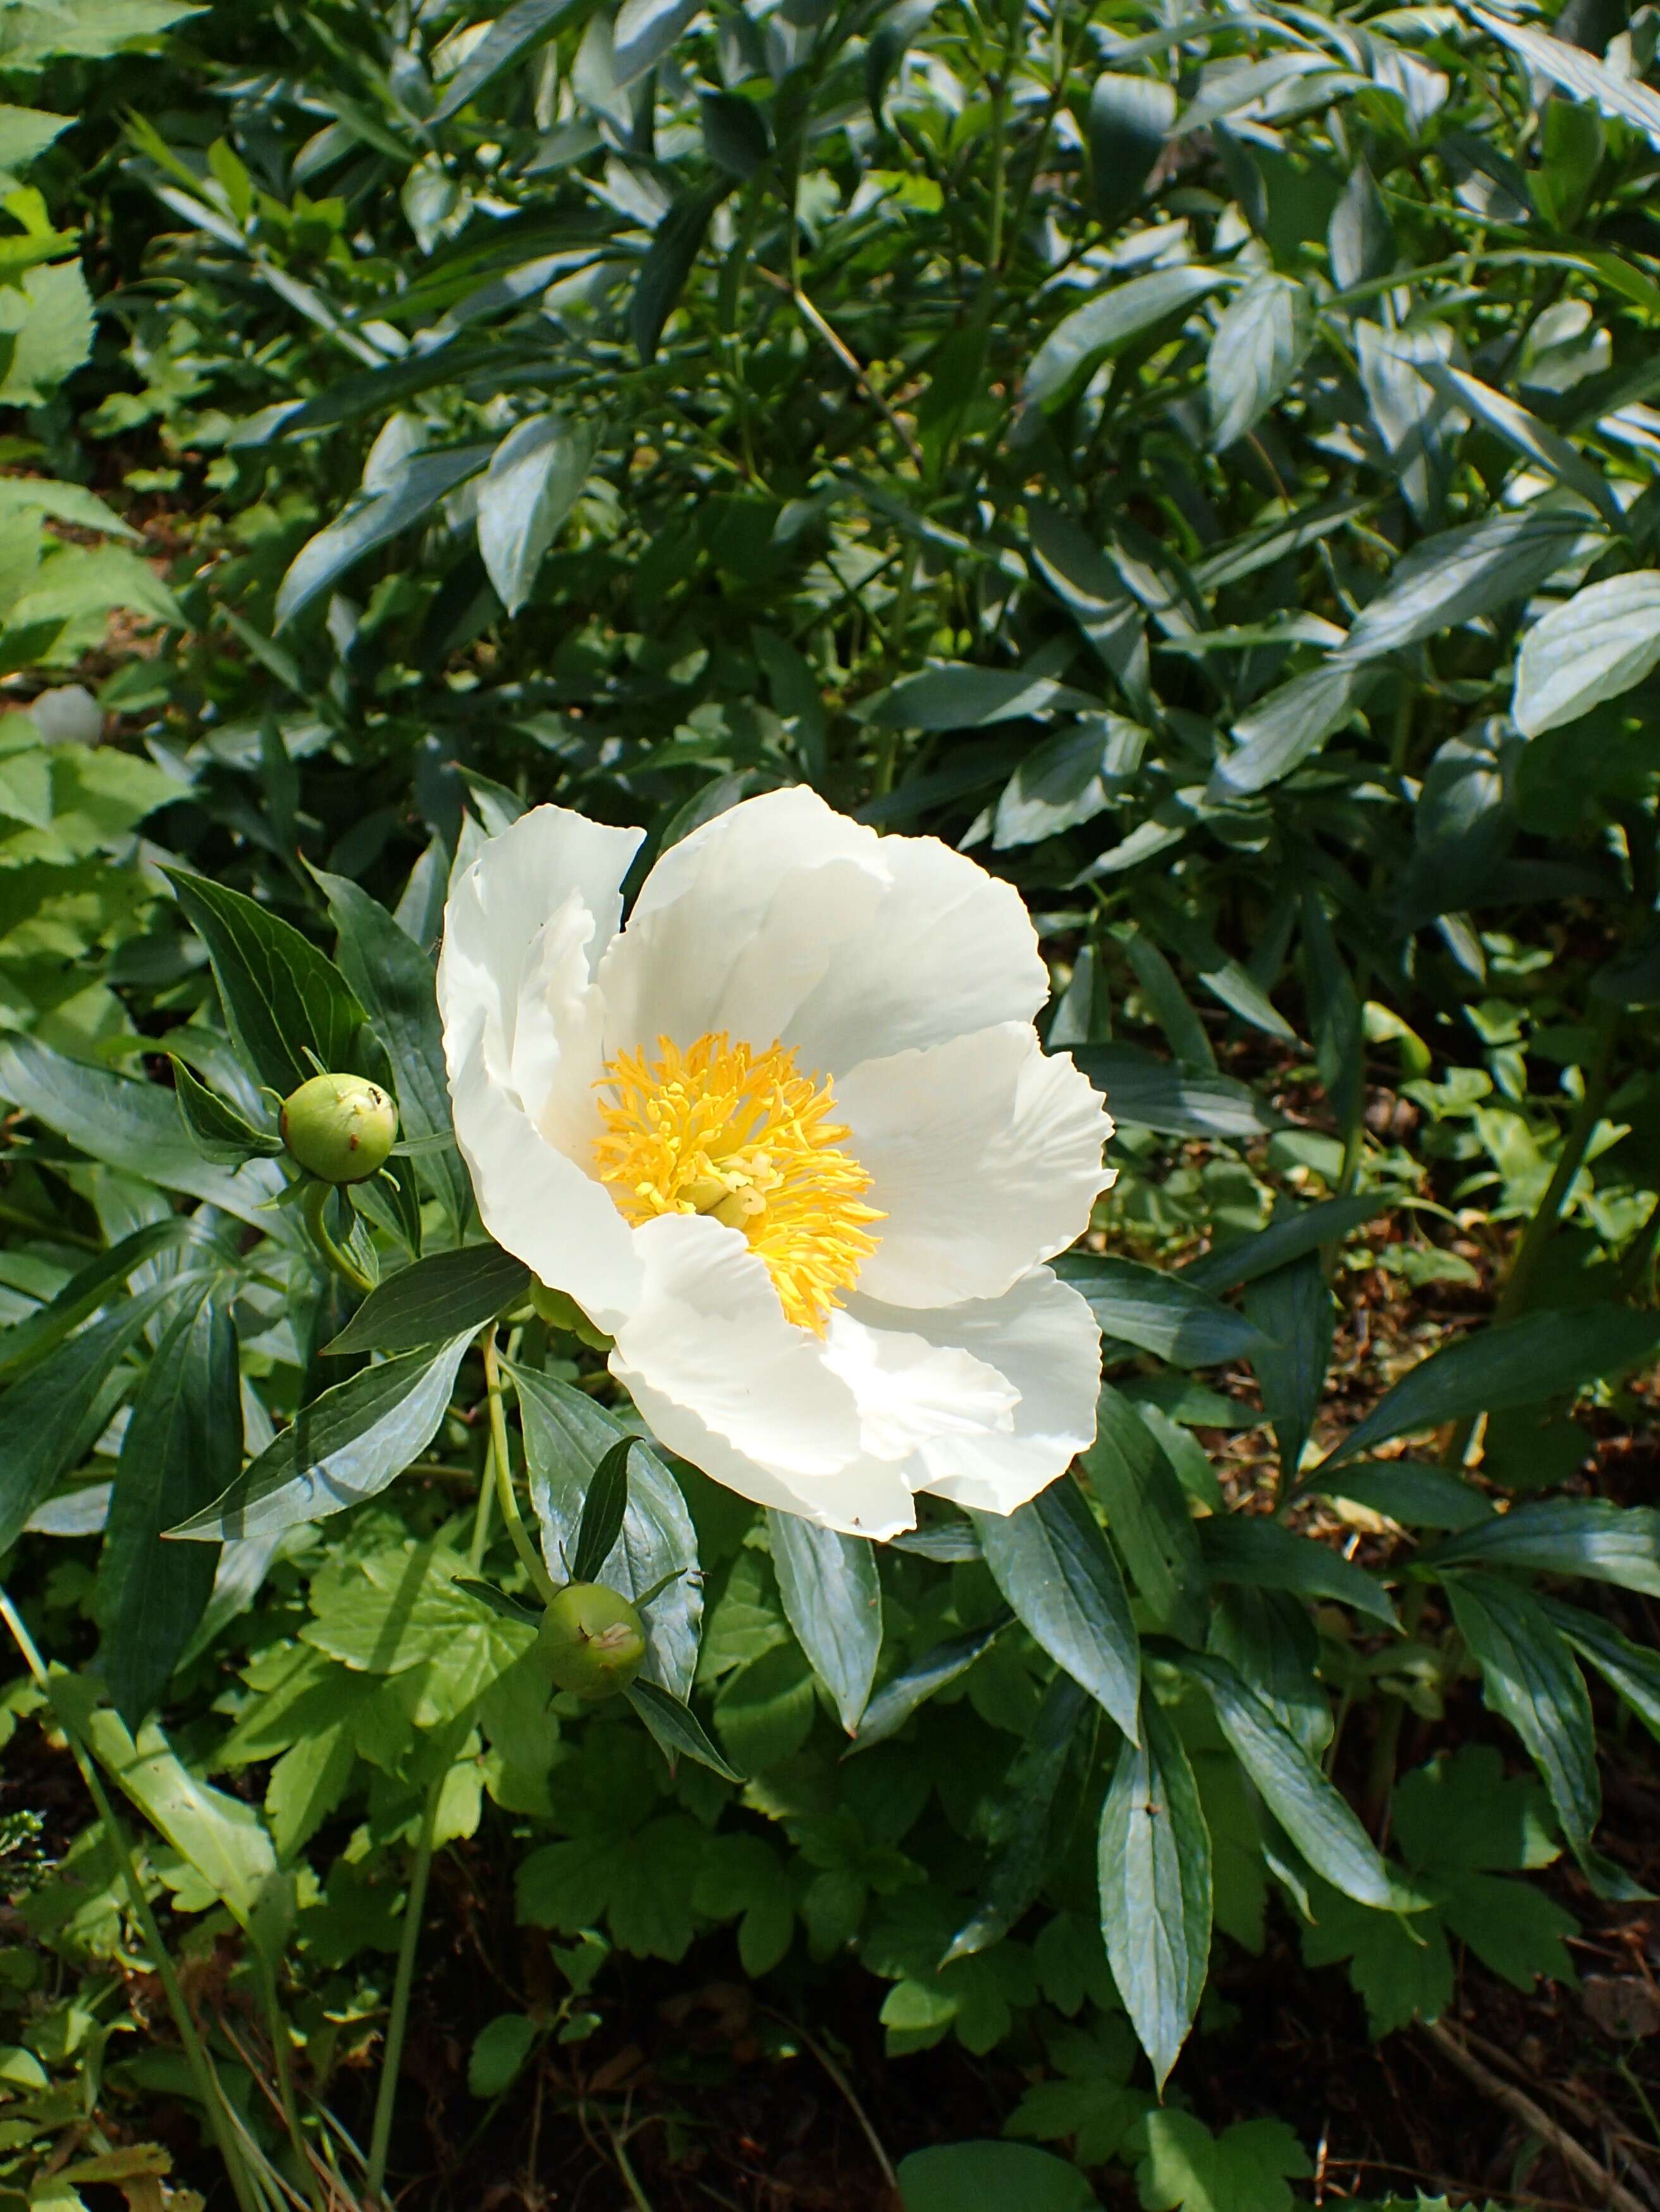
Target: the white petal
(537, 1203)
(985, 1157)
(909, 1389)
(522, 1021)
(781, 919)
(1043, 1339)
(723, 1379)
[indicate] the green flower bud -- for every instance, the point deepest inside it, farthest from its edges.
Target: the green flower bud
(592, 1640)
(560, 1311)
(341, 1128)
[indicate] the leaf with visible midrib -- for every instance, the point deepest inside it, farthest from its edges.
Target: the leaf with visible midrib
(439, 1297)
(832, 1598)
(1154, 1861)
(1055, 1568)
(282, 996)
(343, 1447)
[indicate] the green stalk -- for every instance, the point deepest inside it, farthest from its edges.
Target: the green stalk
(313, 1206)
(206, 2081)
(398, 2020)
(529, 1558)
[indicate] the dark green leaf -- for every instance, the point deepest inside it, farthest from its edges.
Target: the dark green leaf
(1530, 1679)
(440, 1296)
(1407, 1491)
(959, 695)
(28, 1342)
(1452, 577)
(1031, 1817)
(282, 998)
(1263, 1554)
(676, 1729)
(991, 2177)
(183, 1446)
(1129, 119)
(498, 1602)
(1160, 1313)
(1520, 1362)
(735, 133)
(832, 1596)
(1281, 1243)
(345, 1446)
(1055, 1568)
(1154, 1868)
(1148, 1093)
(414, 488)
(1147, 1510)
(1296, 1792)
(1563, 1536)
(394, 979)
(604, 1506)
(566, 1437)
(50, 1420)
(1631, 1670)
(131, 1125)
(898, 27)
(1292, 1308)
(896, 1700)
(668, 263)
(1082, 340)
(510, 38)
(218, 1132)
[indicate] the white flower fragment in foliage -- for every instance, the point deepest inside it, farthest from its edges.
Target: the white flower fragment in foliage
(791, 1139)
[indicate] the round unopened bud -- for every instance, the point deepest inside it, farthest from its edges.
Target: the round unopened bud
(592, 1639)
(341, 1128)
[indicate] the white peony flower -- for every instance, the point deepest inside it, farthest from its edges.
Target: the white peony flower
(791, 1139)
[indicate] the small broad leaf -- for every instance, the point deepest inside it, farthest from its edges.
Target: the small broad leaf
(1519, 1363)
(991, 2177)
(439, 1297)
(1082, 340)
(215, 1128)
(1312, 1814)
(602, 1511)
(282, 996)
(498, 2054)
(1278, 733)
(535, 477)
(1261, 343)
(1591, 647)
(1245, 2169)
(1461, 573)
(1129, 119)
(509, 39)
(410, 490)
(832, 1596)
(223, 1839)
(676, 1729)
(345, 1446)
(1154, 1868)
(1055, 1568)
(1160, 1313)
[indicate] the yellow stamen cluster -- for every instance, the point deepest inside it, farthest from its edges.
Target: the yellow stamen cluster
(724, 1130)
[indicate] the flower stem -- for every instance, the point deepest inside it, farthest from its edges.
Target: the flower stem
(203, 2076)
(398, 2020)
(529, 1558)
(314, 1207)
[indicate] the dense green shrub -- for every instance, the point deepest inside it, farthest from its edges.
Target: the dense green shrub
(1198, 463)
